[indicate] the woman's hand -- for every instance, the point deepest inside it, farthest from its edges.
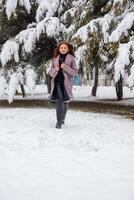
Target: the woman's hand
(57, 68)
(62, 65)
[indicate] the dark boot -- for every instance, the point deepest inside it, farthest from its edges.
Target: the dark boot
(58, 125)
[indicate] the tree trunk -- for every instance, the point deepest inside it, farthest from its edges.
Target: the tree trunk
(119, 88)
(23, 91)
(94, 89)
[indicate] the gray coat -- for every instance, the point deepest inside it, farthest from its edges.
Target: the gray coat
(69, 71)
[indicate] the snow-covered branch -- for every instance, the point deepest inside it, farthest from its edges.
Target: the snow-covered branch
(123, 27)
(3, 83)
(13, 85)
(92, 26)
(27, 38)
(30, 77)
(12, 4)
(9, 50)
(118, 1)
(130, 80)
(122, 60)
(47, 8)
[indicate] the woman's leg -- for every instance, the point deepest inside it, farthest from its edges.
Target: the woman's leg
(59, 111)
(65, 107)
(59, 107)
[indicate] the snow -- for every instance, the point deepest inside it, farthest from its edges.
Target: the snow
(92, 26)
(26, 4)
(40, 28)
(10, 7)
(30, 77)
(3, 83)
(91, 157)
(118, 1)
(80, 54)
(81, 93)
(122, 60)
(13, 85)
(131, 77)
(48, 7)
(50, 26)
(84, 92)
(53, 27)
(9, 50)
(71, 12)
(27, 38)
(12, 4)
(82, 32)
(105, 25)
(123, 27)
(16, 78)
(78, 2)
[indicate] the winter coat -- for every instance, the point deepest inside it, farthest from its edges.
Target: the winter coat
(69, 71)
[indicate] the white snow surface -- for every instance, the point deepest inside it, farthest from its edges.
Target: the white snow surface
(91, 157)
(12, 4)
(13, 85)
(122, 60)
(80, 93)
(118, 1)
(10, 7)
(9, 50)
(123, 27)
(30, 79)
(91, 27)
(48, 6)
(131, 77)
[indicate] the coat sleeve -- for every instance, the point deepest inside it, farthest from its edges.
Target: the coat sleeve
(52, 71)
(71, 70)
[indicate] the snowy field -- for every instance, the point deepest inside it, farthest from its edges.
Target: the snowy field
(80, 93)
(90, 158)
(103, 92)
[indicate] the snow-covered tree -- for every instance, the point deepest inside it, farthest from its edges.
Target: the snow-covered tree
(13, 85)
(18, 77)
(30, 77)
(3, 83)
(114, 30)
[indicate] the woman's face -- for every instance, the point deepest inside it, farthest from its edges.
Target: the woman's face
(63, 49)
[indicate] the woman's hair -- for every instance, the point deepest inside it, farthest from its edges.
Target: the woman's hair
(70, 48)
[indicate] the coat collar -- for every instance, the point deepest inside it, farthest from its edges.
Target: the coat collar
(57, 58)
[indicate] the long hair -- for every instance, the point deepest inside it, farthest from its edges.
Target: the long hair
(70, 48)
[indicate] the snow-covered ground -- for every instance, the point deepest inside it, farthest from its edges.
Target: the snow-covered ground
(90, 158)
(105, 92)
(81, 93)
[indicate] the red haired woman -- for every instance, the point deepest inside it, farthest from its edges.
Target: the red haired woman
(63, 69)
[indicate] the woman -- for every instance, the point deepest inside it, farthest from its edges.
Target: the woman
(63, 69)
